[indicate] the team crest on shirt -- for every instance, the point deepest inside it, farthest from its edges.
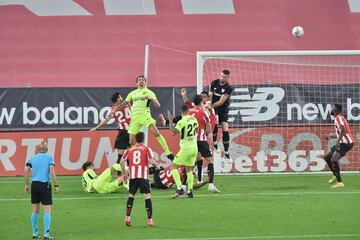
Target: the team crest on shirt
(222, 90)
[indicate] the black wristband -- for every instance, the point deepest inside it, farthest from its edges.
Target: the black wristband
(56, 185)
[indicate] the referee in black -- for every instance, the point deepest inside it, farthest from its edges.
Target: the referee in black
(220, 91)
(42, 165)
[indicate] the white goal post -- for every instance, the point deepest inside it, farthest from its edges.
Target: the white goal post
(280, 107)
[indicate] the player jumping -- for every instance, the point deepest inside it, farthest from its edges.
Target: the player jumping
(221, 90)
(141, 98)
(344, 143)
(122, 118)
(187, 127)
(139, 157)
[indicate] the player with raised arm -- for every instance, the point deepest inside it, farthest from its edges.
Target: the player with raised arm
(122, 118)
(344, 143)
(140, 99)
(187, 127)
(139, 157)
(204, 132)
(220, 91)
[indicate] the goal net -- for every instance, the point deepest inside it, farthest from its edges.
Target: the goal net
(280, 107)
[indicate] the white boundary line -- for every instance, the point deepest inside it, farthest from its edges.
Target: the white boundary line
(198, 195)
(265, 237)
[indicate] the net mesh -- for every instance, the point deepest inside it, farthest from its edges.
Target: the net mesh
(280, 108)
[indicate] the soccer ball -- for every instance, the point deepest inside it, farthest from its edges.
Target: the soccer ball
(297, 31)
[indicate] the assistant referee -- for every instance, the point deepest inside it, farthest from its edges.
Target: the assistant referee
(42, 165)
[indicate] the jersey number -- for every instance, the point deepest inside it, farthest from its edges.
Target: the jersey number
(191, 130)
(136, 157)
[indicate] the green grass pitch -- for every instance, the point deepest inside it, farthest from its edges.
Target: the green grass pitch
(249, 207)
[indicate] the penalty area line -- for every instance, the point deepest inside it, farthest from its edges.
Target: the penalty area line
(221, 195)
(313, 236)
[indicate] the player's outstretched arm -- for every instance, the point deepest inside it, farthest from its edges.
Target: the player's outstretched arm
(221, 101)
(117, 108)
(101, 124)
(184, 96)
(173, 130)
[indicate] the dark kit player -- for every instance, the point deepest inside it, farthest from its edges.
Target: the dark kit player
(220, 91)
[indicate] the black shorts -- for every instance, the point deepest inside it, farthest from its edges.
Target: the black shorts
(223, 114)
(41, 193)
(122, 140)
(139, 183)
(204, 149)
(157, 182)
(343, 149)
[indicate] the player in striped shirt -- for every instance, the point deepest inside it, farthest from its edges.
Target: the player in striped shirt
(139, 156)
(344, 143)
(122, 119)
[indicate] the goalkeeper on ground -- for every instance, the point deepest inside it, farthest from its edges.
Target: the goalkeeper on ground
(103, 183)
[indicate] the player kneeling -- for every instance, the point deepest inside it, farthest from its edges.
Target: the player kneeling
(139, 158)
(104, 183)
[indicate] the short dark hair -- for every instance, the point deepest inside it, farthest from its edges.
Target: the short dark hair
(139, 137)
(205, 92)
(197, 100)
(226, 72)
(115, 97)
(338, 107)
(86, 165)
(184, 108)
(141, 76)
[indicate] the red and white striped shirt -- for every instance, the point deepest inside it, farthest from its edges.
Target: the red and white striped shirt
(212, 116)
(166, 177)
(138, 157)
(202, 119)
(341, 121)
(122, 117)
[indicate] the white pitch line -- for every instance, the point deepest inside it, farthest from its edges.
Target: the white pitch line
(265, 237)
(197, 195)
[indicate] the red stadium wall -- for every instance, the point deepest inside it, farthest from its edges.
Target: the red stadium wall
(103, 50)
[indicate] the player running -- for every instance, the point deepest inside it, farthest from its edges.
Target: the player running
(122, 118)
(188, 128)
(141, 98)
(139, 157)
(344, 143)
(104, 183)
(220, 90)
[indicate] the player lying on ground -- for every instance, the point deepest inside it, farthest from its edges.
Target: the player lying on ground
(163, 178)
(106, 182)
(140, 99)
(344, 143)
(187, 127)
(122, 118)
(139, 157)
(220, 91)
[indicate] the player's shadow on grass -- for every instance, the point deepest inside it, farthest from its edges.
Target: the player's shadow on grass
(290, 188)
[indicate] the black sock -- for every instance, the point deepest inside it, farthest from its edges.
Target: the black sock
(215, 134)
(119, 158)
(330, 166)
(148, 206)
(184, 177)
(336, 170)
(199, 165)
(226, 139)
(211, 172)
(129, 206)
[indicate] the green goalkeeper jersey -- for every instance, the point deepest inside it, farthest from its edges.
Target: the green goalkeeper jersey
(188, 127)
(87, 180)
(140, 105)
